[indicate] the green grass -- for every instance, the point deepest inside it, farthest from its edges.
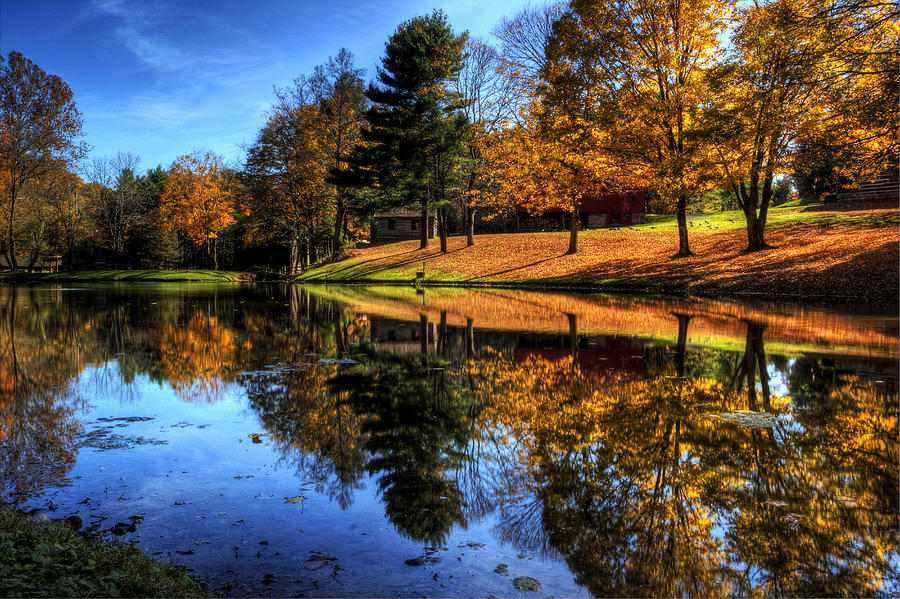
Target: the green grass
(793, 213)
(125, 275)
(48, 559)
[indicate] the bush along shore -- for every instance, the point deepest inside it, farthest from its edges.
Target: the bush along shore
(40, 557)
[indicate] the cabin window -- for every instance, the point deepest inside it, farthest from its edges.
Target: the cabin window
(414, 224)
(392, 224)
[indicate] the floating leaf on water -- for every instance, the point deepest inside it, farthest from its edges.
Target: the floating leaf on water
(295, 499)
(746, 418)
(472, 545)
(255, 437)
(502, 569)
(324, 559)
(526, 583)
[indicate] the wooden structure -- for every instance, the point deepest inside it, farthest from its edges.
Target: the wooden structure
(614, 208)
(400, 224)
(27, 263)
(883, 189)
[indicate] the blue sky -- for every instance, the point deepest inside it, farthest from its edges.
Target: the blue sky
(160, 78)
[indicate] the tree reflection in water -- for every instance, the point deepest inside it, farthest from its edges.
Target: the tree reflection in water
(42, 348)
(416, 419)
(627, 477)
(638, 484)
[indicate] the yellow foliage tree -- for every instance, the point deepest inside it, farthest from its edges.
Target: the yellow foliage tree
(196, 200)
(634, 69)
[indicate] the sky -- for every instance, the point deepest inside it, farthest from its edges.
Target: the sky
(161, 78)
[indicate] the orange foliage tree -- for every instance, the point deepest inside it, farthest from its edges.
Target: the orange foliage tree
(197, 200)
(199, 359)
(544, 163)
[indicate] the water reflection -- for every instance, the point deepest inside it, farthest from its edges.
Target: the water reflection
(687, 457)
(416, 419)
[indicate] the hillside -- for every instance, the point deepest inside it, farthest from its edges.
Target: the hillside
(816, 254)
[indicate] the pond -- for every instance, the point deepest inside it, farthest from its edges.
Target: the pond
(346, 441)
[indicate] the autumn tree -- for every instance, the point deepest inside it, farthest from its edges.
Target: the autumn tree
(40, 130)
(197, 201)
(531, 168)
(633, 70)
(286, 169)
(489, 107)
(415, 132)
(861, 81)
(342, 106)
(769, 95)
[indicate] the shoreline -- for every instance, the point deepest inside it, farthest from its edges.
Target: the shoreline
(635, 290)
(635, 286)
(52, 557)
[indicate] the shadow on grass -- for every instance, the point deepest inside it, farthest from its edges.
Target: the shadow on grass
(350, 268)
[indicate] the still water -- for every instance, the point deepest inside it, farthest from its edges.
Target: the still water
(348, 441)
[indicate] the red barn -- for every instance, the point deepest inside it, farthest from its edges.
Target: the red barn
(606, 209)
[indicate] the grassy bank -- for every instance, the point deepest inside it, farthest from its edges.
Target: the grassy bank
(816, 254)
(218, 276)
(48, 559)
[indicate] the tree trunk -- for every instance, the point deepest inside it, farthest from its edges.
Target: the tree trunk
(684, 250)
(573, 336)
(470, 226)
(442, 228)
(423, 238)
(338, 227)
(756, 223)
(573, 233)
(294, 249)
(216, 253)
(442, 333)
(681, 345)
(11, 240)
(423, 332)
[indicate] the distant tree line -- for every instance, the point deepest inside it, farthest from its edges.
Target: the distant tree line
(709, 105)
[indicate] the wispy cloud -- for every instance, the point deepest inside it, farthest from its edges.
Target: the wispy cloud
(135, 29)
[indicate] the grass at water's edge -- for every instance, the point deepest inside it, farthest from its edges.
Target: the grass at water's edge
(45, 558)
(813, 255)
(215, 276)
